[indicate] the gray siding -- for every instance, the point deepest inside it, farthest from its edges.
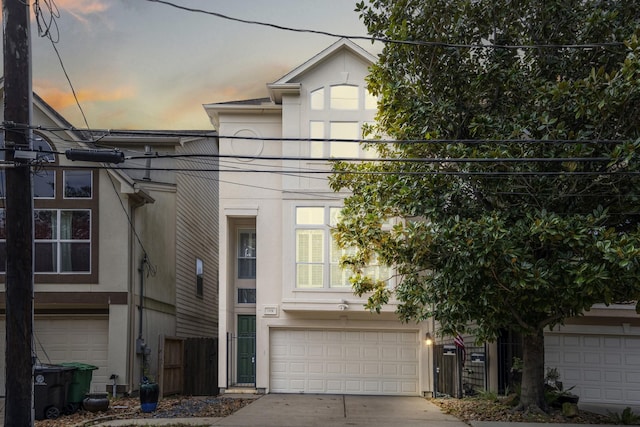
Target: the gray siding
(197, 237)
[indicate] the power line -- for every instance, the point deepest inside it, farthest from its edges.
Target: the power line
(336, 172)
(44, 30)
(213, 134)
(388, 40)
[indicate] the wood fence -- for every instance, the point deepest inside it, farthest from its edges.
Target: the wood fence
(188, 366)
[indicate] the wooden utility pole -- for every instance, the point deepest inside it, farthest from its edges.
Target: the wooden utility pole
(19, 215)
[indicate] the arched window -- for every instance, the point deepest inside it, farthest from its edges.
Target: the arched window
(344, 97)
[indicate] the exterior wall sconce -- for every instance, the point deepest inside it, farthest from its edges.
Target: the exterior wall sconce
(427, 339)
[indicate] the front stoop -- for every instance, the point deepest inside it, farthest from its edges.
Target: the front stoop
(240, 390)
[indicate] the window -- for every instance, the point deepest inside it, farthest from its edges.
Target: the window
(44, 184)
(317, 99)
(65, 220)
(344, 130)
(44, 181)
(344, 97)
(316, 131)
(246, 296)
(370, 101)
(317, 255)
(62, 241)
(77, 184)
(349, 131)
(199, 277)
(247, 254)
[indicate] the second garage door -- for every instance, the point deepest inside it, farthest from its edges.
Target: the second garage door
(604, 369)
(345, 362)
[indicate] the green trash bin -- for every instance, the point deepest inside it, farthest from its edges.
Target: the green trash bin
(80, 384)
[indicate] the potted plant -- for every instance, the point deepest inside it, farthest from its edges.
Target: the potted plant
(149, 393)
(556, 395)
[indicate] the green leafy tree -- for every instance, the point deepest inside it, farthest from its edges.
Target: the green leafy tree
(515, 175)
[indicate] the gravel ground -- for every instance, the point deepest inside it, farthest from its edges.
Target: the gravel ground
(168, 407)
(480, 409)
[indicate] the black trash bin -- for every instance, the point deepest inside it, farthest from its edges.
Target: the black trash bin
(50, 389)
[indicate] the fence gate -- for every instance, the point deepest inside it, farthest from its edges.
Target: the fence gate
(456, 379)
(201, 367)
(170, 365)
(188, 366)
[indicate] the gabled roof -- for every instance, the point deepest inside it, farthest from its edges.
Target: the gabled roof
(285, 85)
(342, 44)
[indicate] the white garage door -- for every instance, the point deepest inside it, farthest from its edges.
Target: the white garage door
(345, 362)
(64, 340)
(603, 368)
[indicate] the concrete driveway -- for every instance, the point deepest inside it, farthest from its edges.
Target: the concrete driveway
(293, 410)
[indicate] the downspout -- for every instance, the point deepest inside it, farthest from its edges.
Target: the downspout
(141, 347)
(131, 294)
(132, 310)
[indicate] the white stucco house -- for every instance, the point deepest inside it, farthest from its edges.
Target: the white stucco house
(291, 321)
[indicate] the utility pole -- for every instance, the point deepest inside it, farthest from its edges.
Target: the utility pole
(19, 215)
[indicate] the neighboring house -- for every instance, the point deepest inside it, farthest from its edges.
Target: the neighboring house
(291, 321)
(108, 238)
(599, 355)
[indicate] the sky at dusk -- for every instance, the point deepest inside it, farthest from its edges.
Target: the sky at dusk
(136, 64)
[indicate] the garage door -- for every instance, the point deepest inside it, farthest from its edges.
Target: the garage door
(603, 368)
(65, 340)
(344, 362)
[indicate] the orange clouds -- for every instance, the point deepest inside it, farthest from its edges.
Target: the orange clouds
(82, 7)
(79, 9)
(59, 99)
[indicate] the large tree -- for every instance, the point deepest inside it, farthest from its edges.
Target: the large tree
(514, 172)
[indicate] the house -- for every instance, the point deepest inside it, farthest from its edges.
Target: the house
(599, 355)
(121, 258)
(291, 321)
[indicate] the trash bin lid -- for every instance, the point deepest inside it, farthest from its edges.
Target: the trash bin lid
(80, 366)
(53, 368)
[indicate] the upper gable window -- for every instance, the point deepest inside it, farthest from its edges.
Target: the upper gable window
(344, 97)
(46, 153)
(317, 99)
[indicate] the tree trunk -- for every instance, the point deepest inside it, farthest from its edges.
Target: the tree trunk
(532, 393)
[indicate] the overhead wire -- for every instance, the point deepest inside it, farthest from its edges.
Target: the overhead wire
(388, 40)
(45, 27)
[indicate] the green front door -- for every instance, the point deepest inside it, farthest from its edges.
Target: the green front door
(246, 349)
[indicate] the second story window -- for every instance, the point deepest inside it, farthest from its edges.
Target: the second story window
(62, 241)
(65, 217)
(317, 254)
(247, 254)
